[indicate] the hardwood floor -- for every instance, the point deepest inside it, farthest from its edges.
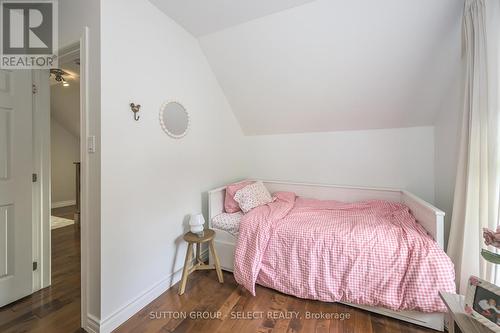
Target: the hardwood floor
(56, 308)
(204, 296)
(65, 212)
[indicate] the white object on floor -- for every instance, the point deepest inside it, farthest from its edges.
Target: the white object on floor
(59, 222)
(431, 218)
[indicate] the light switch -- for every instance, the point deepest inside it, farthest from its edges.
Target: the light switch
(91, 144)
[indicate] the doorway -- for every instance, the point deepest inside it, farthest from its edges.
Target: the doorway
(65, 142)
(53, 301)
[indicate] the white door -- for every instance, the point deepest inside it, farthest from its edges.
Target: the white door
(16, 165)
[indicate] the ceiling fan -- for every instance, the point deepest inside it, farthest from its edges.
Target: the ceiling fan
(59, 76)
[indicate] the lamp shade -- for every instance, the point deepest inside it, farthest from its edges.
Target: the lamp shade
(196, 223)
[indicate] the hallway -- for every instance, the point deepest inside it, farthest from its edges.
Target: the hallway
(56, 308)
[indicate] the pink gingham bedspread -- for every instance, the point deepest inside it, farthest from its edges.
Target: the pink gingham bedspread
(372, 253)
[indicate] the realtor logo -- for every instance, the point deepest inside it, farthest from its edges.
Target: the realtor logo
(29, 34)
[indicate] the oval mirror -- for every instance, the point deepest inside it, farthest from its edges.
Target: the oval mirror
(174, 119)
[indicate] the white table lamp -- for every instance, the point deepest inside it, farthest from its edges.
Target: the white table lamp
(196, 224)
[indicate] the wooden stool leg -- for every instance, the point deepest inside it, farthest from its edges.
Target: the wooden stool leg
(185, 271)
(198, 257)
(216, 262)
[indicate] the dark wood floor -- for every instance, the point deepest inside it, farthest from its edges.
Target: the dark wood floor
(65, 212)
(56, 308)
(205, 296)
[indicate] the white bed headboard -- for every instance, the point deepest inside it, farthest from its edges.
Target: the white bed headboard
(431, 218)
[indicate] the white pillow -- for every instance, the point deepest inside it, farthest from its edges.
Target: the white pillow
(252, 195)
(229, 222)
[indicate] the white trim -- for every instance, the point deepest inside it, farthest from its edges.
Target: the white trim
(89, 322)
(93, 324)
(60, 204)
(128, 310)
(81, 49)
(85, 272)
(69, 53)
(41, 189)
(124, 313)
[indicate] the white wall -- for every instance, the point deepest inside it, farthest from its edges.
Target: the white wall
(65, 105)
(151, 182)
(338, 65)
(447, 133)
(447, 125)
(400, 158)
(64, 150)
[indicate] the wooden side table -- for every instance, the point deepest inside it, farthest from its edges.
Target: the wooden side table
(191, 239)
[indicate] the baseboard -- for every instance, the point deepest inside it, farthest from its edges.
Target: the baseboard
(60, 204)
(93, 324)
(125, 312)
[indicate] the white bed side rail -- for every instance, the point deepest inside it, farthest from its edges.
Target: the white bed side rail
(430, 217)
(215, 203)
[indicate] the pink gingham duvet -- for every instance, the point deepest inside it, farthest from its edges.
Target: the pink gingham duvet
(371, 253)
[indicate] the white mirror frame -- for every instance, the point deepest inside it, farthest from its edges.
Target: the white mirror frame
(164, 126)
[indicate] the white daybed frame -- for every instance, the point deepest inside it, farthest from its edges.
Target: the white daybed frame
(431, 218)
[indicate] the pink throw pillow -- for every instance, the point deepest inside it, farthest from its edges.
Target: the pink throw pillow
(230, 205)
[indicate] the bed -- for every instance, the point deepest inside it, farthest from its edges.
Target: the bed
(429, 217)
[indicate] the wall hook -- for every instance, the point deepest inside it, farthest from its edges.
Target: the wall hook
(135, 109)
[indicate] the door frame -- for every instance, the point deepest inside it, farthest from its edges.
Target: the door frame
(41, 235)
(42, 240)
(84, 177)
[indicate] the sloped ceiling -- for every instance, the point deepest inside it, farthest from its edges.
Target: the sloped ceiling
(337, 65)
(65, 101)
(201, 17)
